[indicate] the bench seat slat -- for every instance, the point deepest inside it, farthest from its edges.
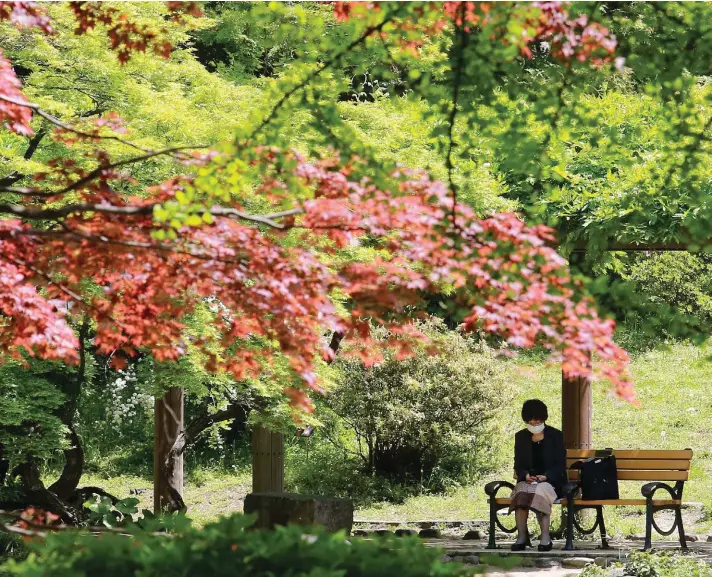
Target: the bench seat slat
(642, 475)
(646, 464)
(685, 454)
(619, 502)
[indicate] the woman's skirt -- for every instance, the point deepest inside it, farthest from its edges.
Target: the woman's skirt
(538, 497)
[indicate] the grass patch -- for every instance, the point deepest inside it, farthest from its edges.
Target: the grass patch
(207, 493)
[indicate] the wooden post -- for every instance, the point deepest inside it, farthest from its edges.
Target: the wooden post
(267, 461)
(168, 425)
(576, 412)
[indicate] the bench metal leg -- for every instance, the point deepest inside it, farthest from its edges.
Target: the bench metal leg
(680, 530)
(569, 524)
(648, 526)
(602, 527)
(492, 525)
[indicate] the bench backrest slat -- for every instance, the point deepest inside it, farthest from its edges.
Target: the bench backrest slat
(639, 465)
(685, 454)
(645, 464)
(642, 475)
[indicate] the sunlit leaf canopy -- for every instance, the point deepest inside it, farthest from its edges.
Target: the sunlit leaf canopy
(588, 117)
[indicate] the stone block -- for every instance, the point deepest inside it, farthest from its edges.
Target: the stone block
(576, 562)
(474, 534)
(470, 559)
(547, 563)
(429, 533)
(692, 538)
(274, 509)
(446, 559)
(405, 532)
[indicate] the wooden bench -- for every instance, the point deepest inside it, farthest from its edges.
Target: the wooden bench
(658, 467)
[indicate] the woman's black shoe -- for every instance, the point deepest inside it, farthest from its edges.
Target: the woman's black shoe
(545, 547)
(519, 546)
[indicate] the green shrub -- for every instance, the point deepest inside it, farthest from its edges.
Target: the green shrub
(224, 548)
(11, 547)
(316, 467)
(656, 565)
(423, 421)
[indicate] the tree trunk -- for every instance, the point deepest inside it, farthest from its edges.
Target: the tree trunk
(38, 495)
(71, 386)
(4, 465)
(168, 462)
(66, 485)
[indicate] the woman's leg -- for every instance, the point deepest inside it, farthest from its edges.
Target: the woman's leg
(521, 516)
(544, 523)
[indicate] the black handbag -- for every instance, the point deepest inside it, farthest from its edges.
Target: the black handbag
(598, 477)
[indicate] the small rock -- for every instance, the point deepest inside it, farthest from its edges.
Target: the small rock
(424, 524)
(637, 537)
(474, 534)
(692, 538)
(359, 533)
(547, 563)
(446, 559)
(470, 559)
(527, 562)
(601, 561)
(576, 562)
(404, 532)
(429, 533)
(383, 532)
(709, 538)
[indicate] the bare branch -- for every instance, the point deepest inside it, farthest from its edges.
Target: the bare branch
(44, 213)
(69, 128)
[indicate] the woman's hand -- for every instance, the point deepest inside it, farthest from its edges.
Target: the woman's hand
(530, 479)
(541, 478)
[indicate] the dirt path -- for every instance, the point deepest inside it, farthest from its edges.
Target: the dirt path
(558, 572)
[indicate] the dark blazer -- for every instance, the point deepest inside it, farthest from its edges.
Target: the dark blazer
(554, 456)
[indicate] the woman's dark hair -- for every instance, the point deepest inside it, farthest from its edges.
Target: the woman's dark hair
(534, 409)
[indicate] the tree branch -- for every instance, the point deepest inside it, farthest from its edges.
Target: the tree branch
(14, 176)
(453, 113)
(69, 128)
(32, 213)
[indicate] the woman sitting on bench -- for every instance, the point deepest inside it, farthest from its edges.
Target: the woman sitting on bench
(540, 467)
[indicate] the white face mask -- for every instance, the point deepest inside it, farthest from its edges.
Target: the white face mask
(535, 429)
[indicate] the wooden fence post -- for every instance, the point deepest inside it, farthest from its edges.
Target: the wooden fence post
(267, 461)
(576, 412)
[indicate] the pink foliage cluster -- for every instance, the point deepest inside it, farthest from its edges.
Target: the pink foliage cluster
(507, 277)
(14, 115)
(571, 38)
(568, 38)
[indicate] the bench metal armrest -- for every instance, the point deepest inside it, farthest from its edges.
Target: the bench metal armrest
(492, 488)
(570, 489)
(648, 490)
